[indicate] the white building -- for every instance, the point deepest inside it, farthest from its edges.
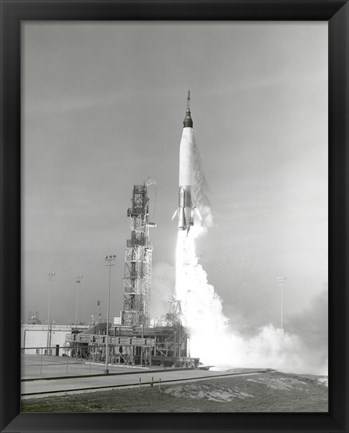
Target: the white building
(36, 338)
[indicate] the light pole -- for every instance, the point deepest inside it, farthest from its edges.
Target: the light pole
(110, 261)
(50, 278)
(282, 282)
(77, 281)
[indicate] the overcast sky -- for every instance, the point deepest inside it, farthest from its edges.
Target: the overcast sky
(103, 105)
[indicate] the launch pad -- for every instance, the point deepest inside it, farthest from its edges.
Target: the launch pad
(165, 346)
(135, 338)
(134, 342)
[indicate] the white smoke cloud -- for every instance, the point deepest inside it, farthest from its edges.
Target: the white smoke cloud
(163, 281)
(216, 343)
(213, 339)
(311, 324)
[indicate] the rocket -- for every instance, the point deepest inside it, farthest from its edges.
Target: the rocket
(185, 210)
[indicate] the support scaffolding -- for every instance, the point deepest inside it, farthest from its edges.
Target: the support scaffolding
(138, 261)
(161, 345)
(134, 341)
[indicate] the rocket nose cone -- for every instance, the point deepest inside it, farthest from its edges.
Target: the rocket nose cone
(188, 121)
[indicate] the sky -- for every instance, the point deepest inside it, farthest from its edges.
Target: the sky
(102, 110)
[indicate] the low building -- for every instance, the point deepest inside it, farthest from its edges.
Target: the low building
(39, 339)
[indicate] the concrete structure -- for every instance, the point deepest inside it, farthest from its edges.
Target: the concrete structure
(137, 378)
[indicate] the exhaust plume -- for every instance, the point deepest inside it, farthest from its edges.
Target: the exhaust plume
(212, 338)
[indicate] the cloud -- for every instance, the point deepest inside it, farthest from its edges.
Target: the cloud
(311, 325)
(163, 282)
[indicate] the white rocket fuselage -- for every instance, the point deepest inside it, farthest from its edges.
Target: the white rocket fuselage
(185, 210)
(186, 170)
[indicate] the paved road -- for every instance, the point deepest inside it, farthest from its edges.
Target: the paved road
(59, 386)
(41, 366)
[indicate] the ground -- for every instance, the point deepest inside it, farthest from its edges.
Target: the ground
(265, 392)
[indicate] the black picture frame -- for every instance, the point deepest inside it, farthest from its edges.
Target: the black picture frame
(13, 12)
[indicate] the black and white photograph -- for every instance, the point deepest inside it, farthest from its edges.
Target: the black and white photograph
(174, 216)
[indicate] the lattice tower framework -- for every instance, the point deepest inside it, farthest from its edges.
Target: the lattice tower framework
(138, 261)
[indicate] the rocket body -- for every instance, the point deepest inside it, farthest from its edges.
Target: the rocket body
(186, 173)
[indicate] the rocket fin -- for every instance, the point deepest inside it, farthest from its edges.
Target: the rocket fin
(174, 215)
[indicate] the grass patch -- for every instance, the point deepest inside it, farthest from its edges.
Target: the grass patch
(268, 392)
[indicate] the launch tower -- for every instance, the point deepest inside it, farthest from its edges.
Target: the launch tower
(138, 260)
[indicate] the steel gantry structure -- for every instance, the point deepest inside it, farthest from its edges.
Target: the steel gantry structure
(138, 260)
